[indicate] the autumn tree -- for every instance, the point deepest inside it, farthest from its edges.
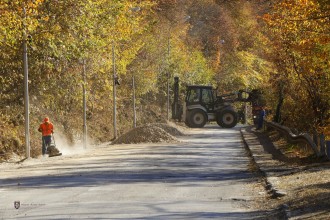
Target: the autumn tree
(61, 35)
(301, 40)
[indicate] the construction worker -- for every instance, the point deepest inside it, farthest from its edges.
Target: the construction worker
(47, 129)
(262, 115)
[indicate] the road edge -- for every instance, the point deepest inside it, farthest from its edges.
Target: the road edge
(259, 159)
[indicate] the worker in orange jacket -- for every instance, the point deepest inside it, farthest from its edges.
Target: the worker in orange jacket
(47, 129)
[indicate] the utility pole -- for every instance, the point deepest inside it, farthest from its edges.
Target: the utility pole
(114, 91)
(168, 66)
(84, 106)
(134, 104)
(26, 88)
(168, 77)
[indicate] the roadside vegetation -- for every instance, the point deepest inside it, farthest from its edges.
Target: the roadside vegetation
(281, 47)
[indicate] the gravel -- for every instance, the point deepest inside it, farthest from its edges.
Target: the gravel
(151, 133)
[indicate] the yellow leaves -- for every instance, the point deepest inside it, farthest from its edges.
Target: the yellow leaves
(300, 33)
(17, 14)
(45, 18)
(267, 18)
(295, 21)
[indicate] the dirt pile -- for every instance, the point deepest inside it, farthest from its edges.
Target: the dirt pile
(150, 133)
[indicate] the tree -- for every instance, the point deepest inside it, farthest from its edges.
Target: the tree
(300, 30)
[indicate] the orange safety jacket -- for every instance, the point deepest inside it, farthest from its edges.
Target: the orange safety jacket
(46, 128)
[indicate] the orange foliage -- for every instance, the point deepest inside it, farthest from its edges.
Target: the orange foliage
(299, 29)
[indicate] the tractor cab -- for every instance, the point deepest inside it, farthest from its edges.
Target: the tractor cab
(201, 95)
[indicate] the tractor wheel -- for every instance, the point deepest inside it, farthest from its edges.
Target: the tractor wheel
(197, 118)
(227, 118)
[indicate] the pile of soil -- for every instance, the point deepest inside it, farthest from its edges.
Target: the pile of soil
(150, 133)
(170, 128)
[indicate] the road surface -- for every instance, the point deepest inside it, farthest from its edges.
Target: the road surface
(203, 176)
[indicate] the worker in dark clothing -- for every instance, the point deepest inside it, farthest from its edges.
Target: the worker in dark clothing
(262, 115)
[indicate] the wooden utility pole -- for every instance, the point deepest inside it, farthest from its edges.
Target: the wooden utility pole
(26, 88)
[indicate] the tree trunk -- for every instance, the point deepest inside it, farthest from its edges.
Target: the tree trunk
(277, 117)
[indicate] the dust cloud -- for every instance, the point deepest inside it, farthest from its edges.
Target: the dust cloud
(66, 148)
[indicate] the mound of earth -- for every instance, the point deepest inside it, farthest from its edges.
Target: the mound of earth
(150, 133)
(170, 128)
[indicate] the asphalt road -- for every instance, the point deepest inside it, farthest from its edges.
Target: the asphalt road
(203, 176)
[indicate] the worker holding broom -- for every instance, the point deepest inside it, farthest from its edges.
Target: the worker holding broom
(47, 129)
